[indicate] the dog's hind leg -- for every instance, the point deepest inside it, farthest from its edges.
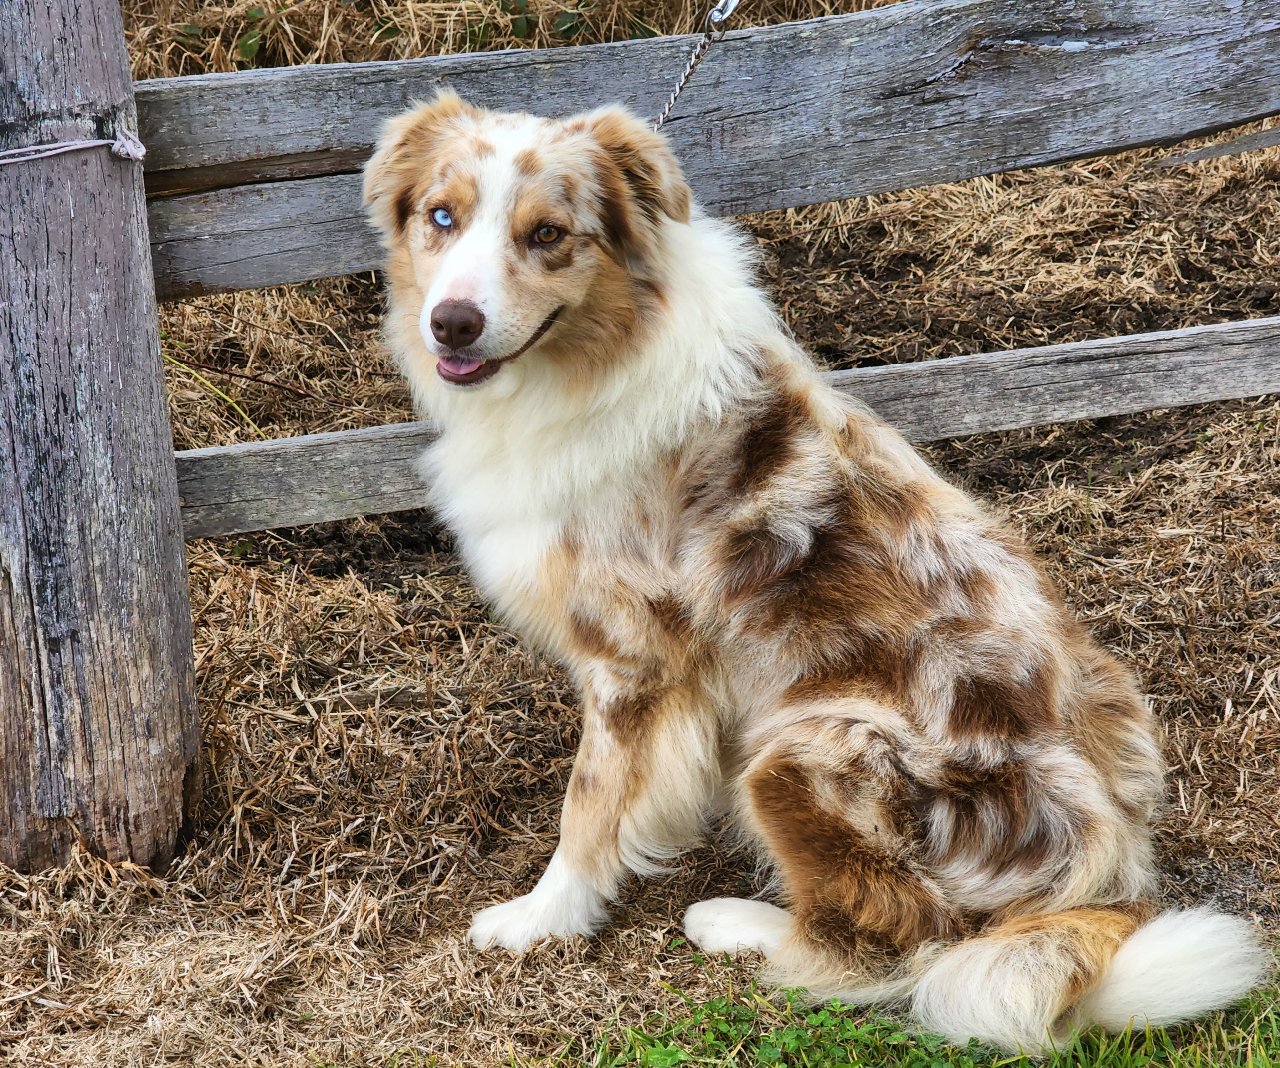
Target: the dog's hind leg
(828, 808)
(646, 771)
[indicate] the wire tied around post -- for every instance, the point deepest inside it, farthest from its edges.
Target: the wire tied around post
(125, 146)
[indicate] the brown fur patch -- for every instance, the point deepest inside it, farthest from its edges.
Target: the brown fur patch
(638, 181)
(1090, 937)
(631, 719)
(1003, 708)
(393, 176)
(556, 258)
(536, 205)
(841, 588)
(753, 556)
(405, 204)
(991, 817)
(528, 162)
(627, 717)
(671, 617)
(871, 665)
(769, 441)
(591, 639)
(620, 232)
(978, 587)
(645, 162)
(894, 510)
(458, 192)
(846, 892)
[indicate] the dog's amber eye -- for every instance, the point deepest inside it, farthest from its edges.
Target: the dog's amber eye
(546, 235)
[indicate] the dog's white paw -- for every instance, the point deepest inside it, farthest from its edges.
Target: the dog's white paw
(560, 906)
(735, 925)
(516, 925)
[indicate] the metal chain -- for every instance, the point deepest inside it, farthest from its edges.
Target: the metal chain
(716, 19)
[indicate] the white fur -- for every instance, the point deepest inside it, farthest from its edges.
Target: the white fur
(537, 447)
(472, 268)
(1177, 966)
(736, 925)
(1010, 992)
(530, 450)
(562, 905)
(1006, 992)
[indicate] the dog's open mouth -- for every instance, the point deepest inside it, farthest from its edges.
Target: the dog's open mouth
(462, 369)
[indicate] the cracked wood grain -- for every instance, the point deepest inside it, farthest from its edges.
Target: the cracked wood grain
(98, 729)
(902, 96)
(293, 481)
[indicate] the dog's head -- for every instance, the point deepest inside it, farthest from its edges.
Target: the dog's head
(512, 235)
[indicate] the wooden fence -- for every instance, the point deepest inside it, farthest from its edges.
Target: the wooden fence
(259, 173)
(253, 179)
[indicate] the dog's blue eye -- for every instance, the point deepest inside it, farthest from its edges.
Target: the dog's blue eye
(442, 218)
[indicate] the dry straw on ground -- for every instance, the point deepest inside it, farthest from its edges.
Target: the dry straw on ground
(174, 37)
(385, 758)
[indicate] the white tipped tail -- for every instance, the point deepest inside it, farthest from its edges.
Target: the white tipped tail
(1006, 992)
(1012, 986)
(1177, 966)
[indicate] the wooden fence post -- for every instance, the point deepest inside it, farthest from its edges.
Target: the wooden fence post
(99, 738)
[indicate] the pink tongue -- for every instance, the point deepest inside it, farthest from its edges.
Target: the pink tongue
(461, 365)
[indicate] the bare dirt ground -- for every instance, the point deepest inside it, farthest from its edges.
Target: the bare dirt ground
(385, 758)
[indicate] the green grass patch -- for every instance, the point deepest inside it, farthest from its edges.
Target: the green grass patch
(746, 1030)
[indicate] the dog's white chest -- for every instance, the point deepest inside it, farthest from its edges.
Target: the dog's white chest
(504, 560)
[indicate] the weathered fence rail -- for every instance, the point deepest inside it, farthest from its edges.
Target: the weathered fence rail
(292, 481)
(254, 181)
(913, 94)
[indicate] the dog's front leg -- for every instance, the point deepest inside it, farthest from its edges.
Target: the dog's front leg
(644, 775)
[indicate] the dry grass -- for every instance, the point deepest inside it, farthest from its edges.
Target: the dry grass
(1092, 249)
(175, 37)
(384, 758)
(276, 362)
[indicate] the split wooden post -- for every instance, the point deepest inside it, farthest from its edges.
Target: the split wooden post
(99, 738)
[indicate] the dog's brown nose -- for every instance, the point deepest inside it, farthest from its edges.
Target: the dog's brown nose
(456, 323)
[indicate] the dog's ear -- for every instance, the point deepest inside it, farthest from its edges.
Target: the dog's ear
(640, 181)
(404, 153)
